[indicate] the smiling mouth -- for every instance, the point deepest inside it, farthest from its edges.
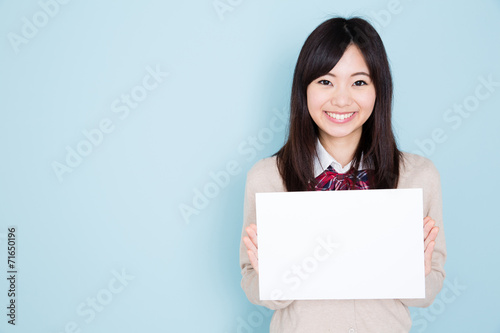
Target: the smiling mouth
(340, 116)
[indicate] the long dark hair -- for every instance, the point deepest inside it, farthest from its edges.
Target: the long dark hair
(377, 147)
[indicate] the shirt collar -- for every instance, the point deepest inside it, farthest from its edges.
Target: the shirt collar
(324, 159)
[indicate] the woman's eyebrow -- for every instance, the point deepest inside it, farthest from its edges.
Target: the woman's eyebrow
(354, 74)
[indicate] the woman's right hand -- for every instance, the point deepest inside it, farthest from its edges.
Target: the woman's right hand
(251, 244)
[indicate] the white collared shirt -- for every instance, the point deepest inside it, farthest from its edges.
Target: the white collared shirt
(324, 159)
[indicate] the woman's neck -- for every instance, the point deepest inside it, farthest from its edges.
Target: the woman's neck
(341, 149)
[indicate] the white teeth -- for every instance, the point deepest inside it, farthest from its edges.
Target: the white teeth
(339, 116)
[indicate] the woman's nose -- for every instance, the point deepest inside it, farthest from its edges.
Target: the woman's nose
(341, 97)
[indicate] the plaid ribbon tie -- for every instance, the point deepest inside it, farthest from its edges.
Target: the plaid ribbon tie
(331, 180)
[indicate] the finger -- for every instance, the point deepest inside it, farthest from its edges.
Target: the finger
(428, 257)
(250, 245)
(431, 237)
(428, 226)
(254, 261)
(427, 219)
(252, 234)
(252, 227)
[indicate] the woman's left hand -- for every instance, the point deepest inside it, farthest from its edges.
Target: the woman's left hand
(430, 234)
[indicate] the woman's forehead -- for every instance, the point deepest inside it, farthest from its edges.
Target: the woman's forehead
(352, 62)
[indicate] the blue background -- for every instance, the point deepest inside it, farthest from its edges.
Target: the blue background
(229, 74)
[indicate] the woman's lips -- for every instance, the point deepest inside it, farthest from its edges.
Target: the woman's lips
(337, 117)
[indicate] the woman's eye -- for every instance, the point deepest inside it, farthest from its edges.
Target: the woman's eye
(325, 82)
(360, 83)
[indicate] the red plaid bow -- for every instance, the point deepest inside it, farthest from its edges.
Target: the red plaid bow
(330, 180)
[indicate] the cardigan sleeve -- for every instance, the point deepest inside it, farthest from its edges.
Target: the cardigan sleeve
(259, 179)
(430, 181)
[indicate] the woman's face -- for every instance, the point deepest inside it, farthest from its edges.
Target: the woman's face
(341, 101)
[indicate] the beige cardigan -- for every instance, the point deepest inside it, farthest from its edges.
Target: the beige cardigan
(348, 316)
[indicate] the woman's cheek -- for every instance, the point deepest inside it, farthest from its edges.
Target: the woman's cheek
(367, 101)
(314, 102)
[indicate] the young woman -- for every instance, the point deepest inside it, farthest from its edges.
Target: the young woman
(340, 137)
